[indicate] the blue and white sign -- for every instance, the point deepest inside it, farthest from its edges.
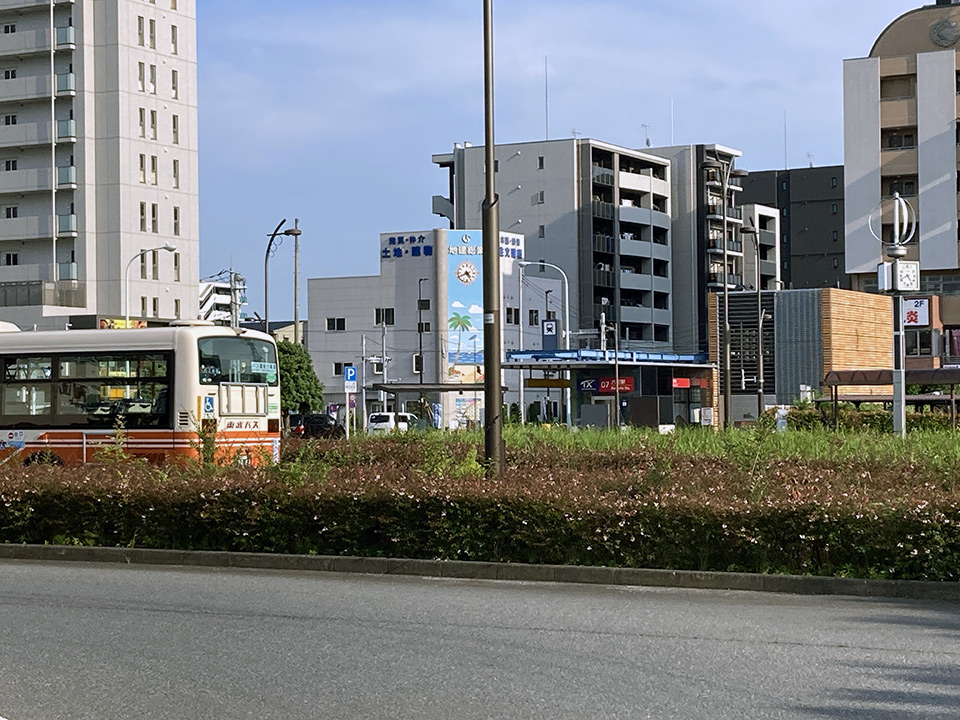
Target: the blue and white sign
(407, 247)
(208, 405)
(590, 385)
(349, 379)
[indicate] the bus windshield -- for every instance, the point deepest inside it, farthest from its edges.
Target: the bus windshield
(237, 360)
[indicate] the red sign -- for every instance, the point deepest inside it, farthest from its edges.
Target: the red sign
(609, 385)
(681, 382)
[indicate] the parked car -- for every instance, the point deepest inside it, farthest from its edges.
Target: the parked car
(316, 426)
(384, 422)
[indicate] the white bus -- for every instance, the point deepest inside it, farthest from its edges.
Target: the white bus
(162, 392)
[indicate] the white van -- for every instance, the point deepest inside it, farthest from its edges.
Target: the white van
(384, 422)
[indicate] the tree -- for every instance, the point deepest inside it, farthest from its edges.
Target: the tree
(300, 390)
(459, 323)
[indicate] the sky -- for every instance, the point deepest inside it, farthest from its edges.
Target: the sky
(329, 110)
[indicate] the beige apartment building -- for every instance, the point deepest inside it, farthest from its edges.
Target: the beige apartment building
(98, 161)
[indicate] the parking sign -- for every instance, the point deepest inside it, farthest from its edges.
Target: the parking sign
(349, 379)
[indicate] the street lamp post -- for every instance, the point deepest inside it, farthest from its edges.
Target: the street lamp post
(725, 172)
(566, 320)
(548, 415)
(295, 232)
(420, 283)
(754, 235)
(271, 251)
(520, 266)
(169, 247)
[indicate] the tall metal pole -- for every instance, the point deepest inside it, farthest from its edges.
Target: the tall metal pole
(266, 277)
(296, 281)
(53, 146)
(420, 326)
(727, 395)
(523, 412)
(546, 315)
(493, 393)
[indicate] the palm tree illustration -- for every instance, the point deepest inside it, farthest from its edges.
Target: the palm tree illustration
(459, 323)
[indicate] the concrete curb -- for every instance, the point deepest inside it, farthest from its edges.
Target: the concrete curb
(795, 584)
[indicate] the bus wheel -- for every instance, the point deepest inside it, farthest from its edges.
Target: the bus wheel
(43, 457)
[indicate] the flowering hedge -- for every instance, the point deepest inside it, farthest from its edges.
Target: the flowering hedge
(740, 502)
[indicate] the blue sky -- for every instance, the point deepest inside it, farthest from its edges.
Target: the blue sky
(329, 110)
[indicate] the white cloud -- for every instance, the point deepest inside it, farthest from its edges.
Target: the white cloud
(457, 304)
(475, 309)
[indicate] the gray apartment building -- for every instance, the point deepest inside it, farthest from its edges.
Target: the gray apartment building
(638, 231)
(810, 202)
(599, 211)
(98, 161)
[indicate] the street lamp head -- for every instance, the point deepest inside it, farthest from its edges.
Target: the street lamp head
(748, 230)
(293, 232)
(738, 173)
(169, 247)
(711, 165)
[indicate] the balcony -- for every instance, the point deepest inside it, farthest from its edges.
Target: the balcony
(36, 42)
(715, 245)
(28, 4)
(67, 225)
(66, 130)
(609, 310)
(604, 278)
(602, 175)
(732, 280)
(67, 177)
(716, 211)
(635, 281)
(768, 238)
(604, 243)
(603, 209)
(67, 84)
(66, 293)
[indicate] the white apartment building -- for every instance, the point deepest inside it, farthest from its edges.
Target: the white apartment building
(98, 161)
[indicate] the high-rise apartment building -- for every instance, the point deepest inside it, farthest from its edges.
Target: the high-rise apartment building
(811, 208)
(901, 136)
(599, 211)
(98, 161)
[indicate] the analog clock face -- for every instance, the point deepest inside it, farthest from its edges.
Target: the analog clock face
(908, 275)
(467, 272)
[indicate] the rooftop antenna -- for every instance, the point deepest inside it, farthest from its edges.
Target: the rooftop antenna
(575, 133)
(646, 133)
(810, 159)
(546, 102)
(671, 122)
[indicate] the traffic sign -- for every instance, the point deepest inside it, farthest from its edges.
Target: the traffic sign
(349, 379)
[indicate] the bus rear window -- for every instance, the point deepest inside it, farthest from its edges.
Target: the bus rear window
(237, 360)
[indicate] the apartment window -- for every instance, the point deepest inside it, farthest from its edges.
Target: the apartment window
(156, 307)
(176, 173)
(9, 165)
(153, 169)
(143, 217)
(173, 39)
(11, 211)
(141, 76)
(174, 84)
(143, 264)
(153, 124)
(153, 34)
(11, 258)
(155, 218)
(140, 22)
(339, 366)
(534, 317)
(176, 129)
(143, 168)
(783, 185)
(173, 4)
(9, 28)
(423, 327)
(335, 324)
(176, 221)
(143, 122)
(153, 79)
(783, 212)
(10, 74)
(783, 239)
(9, 119)
(155, 264)
(417, 363)
(513, 316)
(383, 316)
(540, 163)
(176, 267)
(836, 235)
(834, 208)
(540, 198)
(176, 308)
(143, 306)
(541, 231)
(836, 263)
(833, 182)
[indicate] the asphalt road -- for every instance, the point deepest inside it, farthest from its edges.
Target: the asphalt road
(99, 642)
